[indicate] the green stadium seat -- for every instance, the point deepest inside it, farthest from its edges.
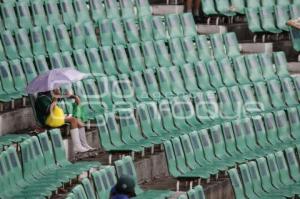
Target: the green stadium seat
(93, 95)
(9, 45)
(227, 72)
(267, 66)
(293, 117)
(202, 75)
(173, 25)
(253, 4)
(52, 11)
(289, 93)
(268, 22)
(178, 84)
(37, 41)
(189, 77)
(121, 59)
(149, 54)
(253, 18)
(67, 60)
(203, 47)
(81, 61)
(50, 40)
(214, 74)
(282, 16)
(105, 28)
(159, 29)
(29, 69)
(79, 192)
(23, 43)
(176, 51)
(9, 16)
(81, 11)
(225, 105)
(125, 166)
(236, 98)
(108, 60)
(127, 89)
(297, 85)
(189, 49)
(254, 68)
(294, 10)
(118, 34)
(104, 180)
(238, 6)
(281, 64)
(63, 38)
(295, 36)
(250, 101)
(139, 86)
(95, 63)
(143, 8)
(145, 28)
(67, 12)
(145, 123)
(240, 69)
(162, 54)
(262, 96)
(41, 64)
(135, 56)
(38, 13)
(218, 46)
(88, 188)
(201, 110)
(224, 7)
(131, 30)
(56, 61)
(8, 84)
(209, 7)
(91, 40)
(188, 25)
(98, 11)
(164, 81)
(112, 9)
(23, 13)
(114, 88)
(275, 93)
(78, 36)
(212, 105)
(127, 9)
(2, 52)
(231, 44)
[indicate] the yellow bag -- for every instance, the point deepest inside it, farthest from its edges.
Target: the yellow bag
(56, 118)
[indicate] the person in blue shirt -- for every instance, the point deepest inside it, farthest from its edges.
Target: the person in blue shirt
(124, 188)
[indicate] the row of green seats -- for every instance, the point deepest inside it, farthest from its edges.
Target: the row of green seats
(9, 139)
(195, 193)
(233, 7)
(30, 13)
(172, 81)
(41, 168)
(107, 93)
(201, 154)
(274, 176)
(271, 19)
(50, 40)
(127, 130)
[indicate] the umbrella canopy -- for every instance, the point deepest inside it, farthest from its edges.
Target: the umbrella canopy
(54, 79)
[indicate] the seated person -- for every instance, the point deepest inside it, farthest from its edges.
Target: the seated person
(124, 188)
(51, 115)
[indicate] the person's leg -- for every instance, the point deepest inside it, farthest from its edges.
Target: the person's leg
(189, 5)
(196, 8)
(75, 135)
(82, 135)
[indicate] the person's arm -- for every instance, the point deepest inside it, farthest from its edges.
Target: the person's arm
(72, 96)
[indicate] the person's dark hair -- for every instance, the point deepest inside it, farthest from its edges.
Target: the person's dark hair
(125, 185)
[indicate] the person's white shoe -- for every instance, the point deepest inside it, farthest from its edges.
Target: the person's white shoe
(77, 146)
(83, 140)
